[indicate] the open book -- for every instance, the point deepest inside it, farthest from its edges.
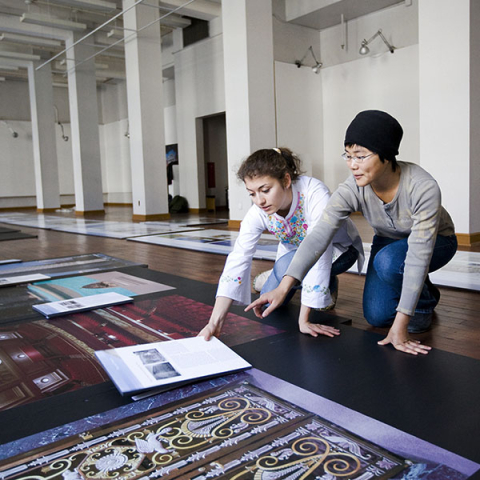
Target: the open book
(161, 366)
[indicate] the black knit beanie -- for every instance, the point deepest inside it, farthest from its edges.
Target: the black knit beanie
(378, 131)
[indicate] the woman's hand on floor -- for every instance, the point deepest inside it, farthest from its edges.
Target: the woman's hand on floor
(314, 329)
(398, 336)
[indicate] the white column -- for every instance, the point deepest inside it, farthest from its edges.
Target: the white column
(143, 60)
(43, 136)
(449, 67)
(249, 88)
(82, 90)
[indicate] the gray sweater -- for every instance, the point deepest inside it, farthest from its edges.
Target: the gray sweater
(415, 212)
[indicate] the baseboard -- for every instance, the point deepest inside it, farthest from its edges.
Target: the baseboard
(468, 239)
(47, 210)
(81, 213)
(10, 209)
(234, 224)
(150, 218)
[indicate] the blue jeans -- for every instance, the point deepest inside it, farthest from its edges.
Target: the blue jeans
(383, 283)
(340, 265)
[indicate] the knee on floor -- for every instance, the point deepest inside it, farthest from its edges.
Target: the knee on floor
(386, 265)
(376, 318)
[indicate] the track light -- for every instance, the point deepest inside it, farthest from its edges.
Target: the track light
(64, 137)
(58, 122)
(316, 67)
(364, 49)
(12, 131)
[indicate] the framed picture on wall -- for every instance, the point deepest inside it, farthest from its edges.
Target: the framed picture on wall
(171, 152)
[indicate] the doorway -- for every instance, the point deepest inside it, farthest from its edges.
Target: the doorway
(215, 158)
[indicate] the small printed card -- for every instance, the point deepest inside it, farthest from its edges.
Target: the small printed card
(81, 304)
(8, 281)
(10, 260)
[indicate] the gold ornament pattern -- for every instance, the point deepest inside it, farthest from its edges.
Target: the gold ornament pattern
(237, 432)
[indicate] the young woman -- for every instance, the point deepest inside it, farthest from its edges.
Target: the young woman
(414, 235)
(288, 205)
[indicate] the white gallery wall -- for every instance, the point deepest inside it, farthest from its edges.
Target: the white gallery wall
(299, 114)
(199, 92)
(115, 154)
(449, 87)
(381, 81)
(312, 111)
(17, 179)
(373, 83)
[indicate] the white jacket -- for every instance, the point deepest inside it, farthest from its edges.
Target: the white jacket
(310, 196)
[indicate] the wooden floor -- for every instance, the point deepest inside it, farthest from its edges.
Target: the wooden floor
(455, 329)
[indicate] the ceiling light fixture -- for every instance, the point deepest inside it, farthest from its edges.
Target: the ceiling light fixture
(364, 49)
(58, 122)
(12, 131)
(18, 55)
(41, 42)
(92, 33)
(8, 68)
(318, 65)
(99, 5)
(49, 21)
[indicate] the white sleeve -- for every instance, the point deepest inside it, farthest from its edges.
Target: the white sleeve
(315, 291)
(234, 282)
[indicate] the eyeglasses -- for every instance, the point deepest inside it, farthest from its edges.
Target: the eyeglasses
(350, 158)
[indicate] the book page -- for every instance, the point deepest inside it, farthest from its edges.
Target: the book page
(151, 365)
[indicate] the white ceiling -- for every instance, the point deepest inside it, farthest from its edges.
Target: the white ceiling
(321, 14)
(20, 39)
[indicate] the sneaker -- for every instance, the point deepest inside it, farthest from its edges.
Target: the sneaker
(260, 279)
(420, 322)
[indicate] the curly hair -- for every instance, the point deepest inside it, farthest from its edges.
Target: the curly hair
(272, 162)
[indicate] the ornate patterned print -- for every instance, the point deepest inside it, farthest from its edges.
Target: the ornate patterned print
(238, 432)
(315, 288)
(292, 229)
(230, 279)
(162, 443)
(312, 450)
